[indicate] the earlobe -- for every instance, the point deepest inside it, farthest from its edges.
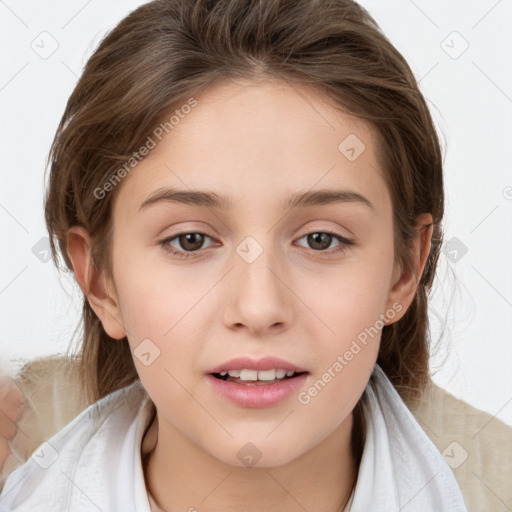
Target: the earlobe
(93, 283)
(405, 281)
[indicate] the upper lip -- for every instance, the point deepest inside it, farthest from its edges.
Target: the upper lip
(248, 363)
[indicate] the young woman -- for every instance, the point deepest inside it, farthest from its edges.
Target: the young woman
(250, 196)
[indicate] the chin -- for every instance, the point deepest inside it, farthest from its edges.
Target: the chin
(258, 454)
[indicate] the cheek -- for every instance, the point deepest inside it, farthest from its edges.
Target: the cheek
(352, 308)
(164, 322)
(154, 296)
(345, 354)
(159, 317)
(351, 297)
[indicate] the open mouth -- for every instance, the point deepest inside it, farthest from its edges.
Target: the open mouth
(253, 377)
(251, 388)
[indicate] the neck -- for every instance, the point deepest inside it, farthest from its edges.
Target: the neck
(321, 479)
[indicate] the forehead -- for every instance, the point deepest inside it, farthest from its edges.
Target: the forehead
(256, 140)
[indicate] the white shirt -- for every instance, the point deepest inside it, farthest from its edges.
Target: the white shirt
(94, 462)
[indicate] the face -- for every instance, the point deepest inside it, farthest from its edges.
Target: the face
(310, 284)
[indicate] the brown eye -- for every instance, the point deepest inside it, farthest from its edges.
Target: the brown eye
(184, 245)
(191, 241)
(319, 241)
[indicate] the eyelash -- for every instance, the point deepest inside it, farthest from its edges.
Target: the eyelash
(344, 243)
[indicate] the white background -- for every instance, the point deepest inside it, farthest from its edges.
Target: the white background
(470, 98)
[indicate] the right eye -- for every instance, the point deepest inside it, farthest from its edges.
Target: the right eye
(190, 241)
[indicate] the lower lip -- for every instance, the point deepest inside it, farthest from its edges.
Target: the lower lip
(257, 395)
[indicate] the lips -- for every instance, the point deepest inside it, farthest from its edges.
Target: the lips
(258, 394)
(248, 363)
(256, 383)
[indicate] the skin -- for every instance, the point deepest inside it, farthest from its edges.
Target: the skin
(255, 142)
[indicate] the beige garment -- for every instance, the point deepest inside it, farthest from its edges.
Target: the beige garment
(477, 446)
(50, 389)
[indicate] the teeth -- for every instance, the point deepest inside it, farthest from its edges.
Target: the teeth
(248, 375)
(267, 374)
(253, 375)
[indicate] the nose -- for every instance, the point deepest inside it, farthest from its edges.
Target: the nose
(257, 297)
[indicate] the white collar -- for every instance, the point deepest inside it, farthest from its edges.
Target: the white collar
(401, 469)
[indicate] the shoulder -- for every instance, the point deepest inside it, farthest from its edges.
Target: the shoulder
(476, 445)
(51, 391)
(73, 468)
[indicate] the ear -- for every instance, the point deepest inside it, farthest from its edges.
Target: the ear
(405, 281)
(93, 283)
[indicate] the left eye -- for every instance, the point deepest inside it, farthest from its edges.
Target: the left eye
(321, 240)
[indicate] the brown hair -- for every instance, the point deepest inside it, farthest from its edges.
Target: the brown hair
(166, 51)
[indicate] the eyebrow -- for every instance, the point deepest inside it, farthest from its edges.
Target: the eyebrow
(214, 200)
